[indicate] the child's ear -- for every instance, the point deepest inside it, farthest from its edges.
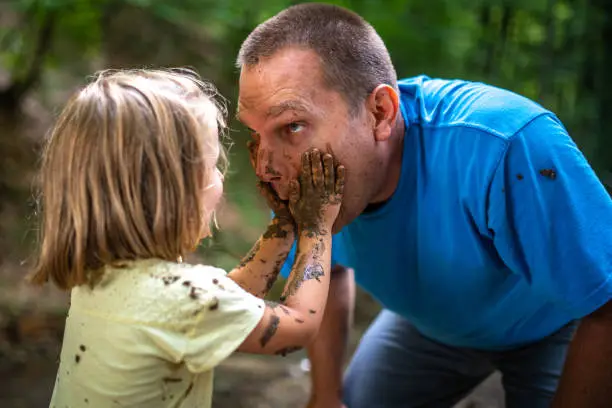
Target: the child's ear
(383, 106)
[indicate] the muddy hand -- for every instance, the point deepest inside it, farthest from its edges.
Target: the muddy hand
(315, 200)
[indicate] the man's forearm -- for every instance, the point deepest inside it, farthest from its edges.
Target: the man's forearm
(329, 348)
(587, 375)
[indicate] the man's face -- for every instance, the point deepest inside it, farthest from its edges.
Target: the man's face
(289, 109)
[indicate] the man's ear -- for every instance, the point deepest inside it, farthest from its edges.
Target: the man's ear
(383, 105)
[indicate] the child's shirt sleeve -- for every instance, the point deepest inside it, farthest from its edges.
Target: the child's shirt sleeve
(223, 315)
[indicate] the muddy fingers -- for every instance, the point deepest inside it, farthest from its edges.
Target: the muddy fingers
(328, 170)
(321, 188)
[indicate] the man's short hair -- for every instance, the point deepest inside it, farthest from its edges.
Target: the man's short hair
(353, 57)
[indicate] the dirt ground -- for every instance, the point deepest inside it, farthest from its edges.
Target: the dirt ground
(31, 328)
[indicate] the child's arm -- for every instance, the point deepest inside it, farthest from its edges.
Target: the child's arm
(294, 322)
(259, 269)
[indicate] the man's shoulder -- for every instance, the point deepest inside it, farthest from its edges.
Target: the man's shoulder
(456, 103)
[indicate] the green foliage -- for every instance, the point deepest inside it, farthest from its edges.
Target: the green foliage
(557, 52)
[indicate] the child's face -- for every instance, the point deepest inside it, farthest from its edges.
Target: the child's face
(211, 196)
(215, 189)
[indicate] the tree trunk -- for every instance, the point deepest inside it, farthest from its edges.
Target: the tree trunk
(547, 61)
(605, 87)
(487, 44)
(11, 97)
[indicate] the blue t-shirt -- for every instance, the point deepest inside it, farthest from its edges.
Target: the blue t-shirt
(499, 232)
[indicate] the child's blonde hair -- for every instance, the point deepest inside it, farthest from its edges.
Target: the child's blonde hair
(124, 170)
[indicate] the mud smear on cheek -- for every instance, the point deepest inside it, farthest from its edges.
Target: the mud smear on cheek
(259, 156)
(269, 168)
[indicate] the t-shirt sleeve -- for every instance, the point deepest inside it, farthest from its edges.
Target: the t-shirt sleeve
(223, 316)
(551, 218)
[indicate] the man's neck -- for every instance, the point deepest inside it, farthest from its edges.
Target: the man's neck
(394, 168)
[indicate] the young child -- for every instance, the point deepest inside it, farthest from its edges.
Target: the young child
(130, 182)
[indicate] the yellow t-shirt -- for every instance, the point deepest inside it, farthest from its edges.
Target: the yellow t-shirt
(150, 334)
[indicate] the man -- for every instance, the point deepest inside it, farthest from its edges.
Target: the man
(469, 214)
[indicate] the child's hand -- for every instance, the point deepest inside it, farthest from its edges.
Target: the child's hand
(280, 207)
(315, 200)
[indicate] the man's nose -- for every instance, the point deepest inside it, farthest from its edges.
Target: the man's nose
(265, 168)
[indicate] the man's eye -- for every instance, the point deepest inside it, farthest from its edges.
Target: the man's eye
(295, 127)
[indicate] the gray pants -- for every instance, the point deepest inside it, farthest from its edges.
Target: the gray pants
(395, 366)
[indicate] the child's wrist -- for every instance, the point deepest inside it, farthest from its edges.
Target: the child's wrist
(284, 214)
(312, 229)
(281, 227)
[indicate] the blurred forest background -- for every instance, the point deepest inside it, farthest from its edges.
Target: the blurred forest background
(558, 52)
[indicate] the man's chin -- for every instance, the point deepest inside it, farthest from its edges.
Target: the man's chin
(283, 197)
(345, 217)
(340, 222)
